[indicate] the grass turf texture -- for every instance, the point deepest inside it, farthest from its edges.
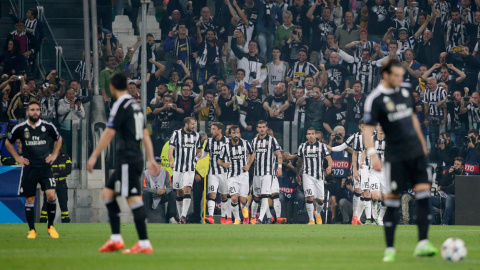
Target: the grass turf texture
(229, 247)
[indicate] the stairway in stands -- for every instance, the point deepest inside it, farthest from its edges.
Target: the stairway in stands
(65, 18)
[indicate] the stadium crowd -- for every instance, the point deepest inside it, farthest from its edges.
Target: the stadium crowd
(302, 61)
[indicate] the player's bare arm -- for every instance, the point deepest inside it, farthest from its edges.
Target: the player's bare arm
(19, 159)
(328, 170)
(170, 156)
(56, 150)
(279, 156)
(370, 149)
(251, 159)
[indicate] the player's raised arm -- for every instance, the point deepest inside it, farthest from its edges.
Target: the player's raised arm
(369, 146)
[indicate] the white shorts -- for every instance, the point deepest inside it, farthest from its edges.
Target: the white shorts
(262, 185)
(364, 172)
(239, 185)
(219, 182)
(378, 182)
(183, 179)
(275, 186)
(313, 187)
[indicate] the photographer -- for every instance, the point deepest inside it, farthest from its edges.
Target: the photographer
(446, 190)
(290, 194)
(445, 151)
(345, 204)
(69, 108)
(470, 151)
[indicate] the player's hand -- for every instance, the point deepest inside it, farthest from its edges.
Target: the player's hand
(279, 172)
(153, 168)
(299, 179)
(161, 191)
(172, 164)
(328, 170)
(51, 158)
(91, 163)
(246, 168)
(198, 178)
(226, 165)
(249, 128)
(376, 163)
(356, 175)
(22, 161)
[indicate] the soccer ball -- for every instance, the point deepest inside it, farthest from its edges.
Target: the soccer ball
(454, 250)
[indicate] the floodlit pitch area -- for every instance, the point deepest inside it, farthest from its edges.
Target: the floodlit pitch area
(230, 247)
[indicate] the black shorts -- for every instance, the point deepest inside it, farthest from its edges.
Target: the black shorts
(31, 176)
(334, 186)
(405, 174)
(125, 180)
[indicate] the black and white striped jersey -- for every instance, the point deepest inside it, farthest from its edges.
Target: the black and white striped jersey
(363, 71)
(265, 155)
(379, 147)
(237, 155)
(432, 98)
(302, 71)
(214, 148)
(474, 113)
(355, 142)
(186, 145)
(312, 156)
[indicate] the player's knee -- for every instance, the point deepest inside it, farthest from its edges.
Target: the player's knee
(274, 196)
(30, 200)
(357, 194)
(223, 197)
(187, 190)
(309, 198)
(179, 193)
(320, 201)
(212, 196)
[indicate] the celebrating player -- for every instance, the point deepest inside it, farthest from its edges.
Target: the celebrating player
(36, 137)
(311, 154)
(127, 123)
(217, 175)
(266, 148)
(390, 104)
(187, 145)
(237, 156)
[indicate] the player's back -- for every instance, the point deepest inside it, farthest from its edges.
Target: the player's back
(393, 109)
(127, 119)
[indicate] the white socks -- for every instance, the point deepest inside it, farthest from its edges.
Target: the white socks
(229, 208)
(278, 207)
(368, 208)
(224, 208)
(355, 202)
(375, 209)
(144, 243)
(263, 208)
(235, 212)
(211, 207)
(180, 208)
(309, 206)
(186, 204)
(116, 237)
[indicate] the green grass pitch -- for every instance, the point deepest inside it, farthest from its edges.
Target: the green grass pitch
(229, 247)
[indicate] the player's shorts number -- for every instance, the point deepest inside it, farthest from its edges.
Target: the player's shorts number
(375, 186)
(52, 182)
(177, 185)
(212, 188)
(309, 192)
(232, 190)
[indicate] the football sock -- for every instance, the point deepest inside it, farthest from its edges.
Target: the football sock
(423, 213)
(51, 209)
(361, 207)
(179, 206)
(390, 221)
(113, 215)
(368, 208)
(223, 209)
(144, 243)
(310, 210)
(254, 207)
(229, 209)
(186, 204)
(235, 213)
(30, 214)
(319, 207)
(139, 217)
(383, 208)
(263, 207)
(277, 206)
(211, 206)
(356, 203)
(374, 209)
(116, 237)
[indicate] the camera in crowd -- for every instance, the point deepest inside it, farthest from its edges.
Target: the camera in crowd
(338, 137)
(253, 75)
(469, 139)
(450, 98)
(440, 141)
(456, 171)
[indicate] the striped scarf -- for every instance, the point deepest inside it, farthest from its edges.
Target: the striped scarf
(203, 59)
(189, 48)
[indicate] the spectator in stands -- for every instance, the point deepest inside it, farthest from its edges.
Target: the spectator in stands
(83, 66)
(28, 43)
(225, 106)
(322, 25)
(470, 151)
(357, 46)
(134, 91)
(186, 103)
(242, 19)
(277, 104)
(181, 47)
(446, 151)
(32, 24)
(457, 112)
(113, 67)
(283, 31)
(293, 45)
(18, 105)
(429, 49)
(348, 32)
(466, 63)
(380, 13)
(276, 70)
(48, 108)
(336, 72)
(301, 69)
(445, 76)
(455, 31)
(85, 94)
(446, 190)
(314, 108)
(299, 12)
(14, 62)
(242, 46)
(239, 82)
(4, 105)
(210, 55)
(156, 195)
(434, 116)
(207, 22)
(255, 71)
(104, 13)
(69, 109)
(251, 111)
(335, 115)
(107, 42)
(164, 114)
(207, 112)
(170, 23)
(355, 103)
